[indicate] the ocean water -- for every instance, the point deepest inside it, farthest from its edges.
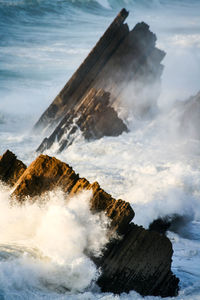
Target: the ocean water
(154, 166)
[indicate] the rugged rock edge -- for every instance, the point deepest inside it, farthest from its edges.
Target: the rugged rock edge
(140, 260)
(123, 63)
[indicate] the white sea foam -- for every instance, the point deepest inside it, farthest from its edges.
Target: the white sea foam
(45, 243)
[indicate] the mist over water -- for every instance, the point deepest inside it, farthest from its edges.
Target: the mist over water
(153, 166)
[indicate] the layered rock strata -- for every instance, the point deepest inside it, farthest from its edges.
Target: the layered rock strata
(122, 62)
(10, 168)
(139, 260)
(82, 80)
(93, 116)
(46, 173)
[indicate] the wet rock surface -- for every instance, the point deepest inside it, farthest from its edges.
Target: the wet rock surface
(47, 173)
(138, 260)
(82, 80)
(141, 260)
(122, 62)
(10, 168)
(93, 116)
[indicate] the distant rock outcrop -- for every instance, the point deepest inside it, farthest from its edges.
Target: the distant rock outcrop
(139, 260)
(123, 62)
(10, 168)
(190, 117)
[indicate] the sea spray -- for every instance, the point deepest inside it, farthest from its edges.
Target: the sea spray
(46, 242)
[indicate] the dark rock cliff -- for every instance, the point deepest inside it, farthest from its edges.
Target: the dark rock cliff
(141, 259)
(122, 62)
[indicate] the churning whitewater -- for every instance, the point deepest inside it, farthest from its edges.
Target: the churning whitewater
(154, 166)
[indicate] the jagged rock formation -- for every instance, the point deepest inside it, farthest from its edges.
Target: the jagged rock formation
(122, 62)
(46, 173)
(190, 117)
(82, 80)
(93, 116)
(140, 260)
(10, 168)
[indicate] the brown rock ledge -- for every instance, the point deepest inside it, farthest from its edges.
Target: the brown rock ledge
(10, 168)
(46, 173)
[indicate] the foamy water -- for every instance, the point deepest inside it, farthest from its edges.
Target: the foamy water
(153, 167)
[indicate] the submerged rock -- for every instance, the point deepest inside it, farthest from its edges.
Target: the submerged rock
(10, 168)
(139, 260)
(125, 64)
